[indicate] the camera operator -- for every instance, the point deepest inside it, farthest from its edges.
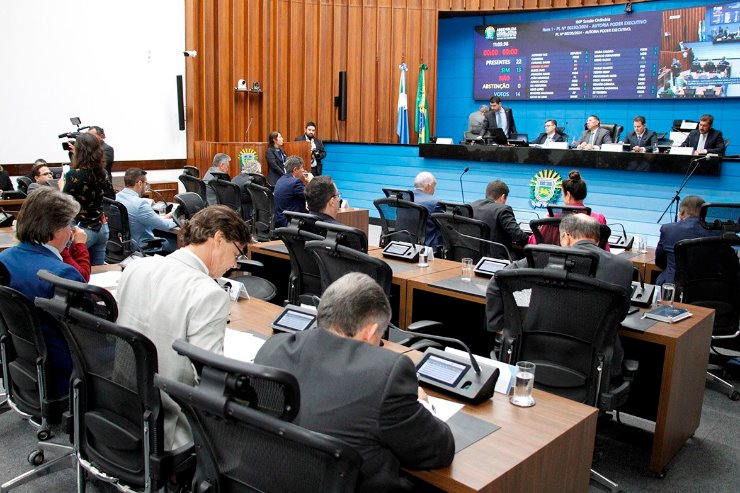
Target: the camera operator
(107, 150)
(317, 147)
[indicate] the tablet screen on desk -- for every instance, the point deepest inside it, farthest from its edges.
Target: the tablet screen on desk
(397, 249)
(294, 321)
(488, 266)
(443, 370)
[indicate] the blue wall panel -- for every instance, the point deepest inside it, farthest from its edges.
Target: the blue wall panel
(455, 85)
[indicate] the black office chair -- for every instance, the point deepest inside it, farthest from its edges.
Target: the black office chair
(305, 278)
(263, 216)
(341, 234)
(568, 331)
(572, 260)
(547, 231)
(561, 131)
(401, 220)
(117, 413)
(23, 183)
(217, 175)
(120, 244)
(4, 275)
(565, 210)
(400, 193)
(191, 171)
(258, 178)
(227, 193)
(257, 287)
(13, 195)
(188, 204)
(196, 185)
(457, 208)
(240, 415)
(707, 274)
(614, 130)
(465, 237)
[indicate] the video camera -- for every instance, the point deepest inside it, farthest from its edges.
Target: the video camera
(72, 135)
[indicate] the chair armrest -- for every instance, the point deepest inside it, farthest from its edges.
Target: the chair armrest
(249, 265)
(629, 369)
(178, 462)
(615, 397)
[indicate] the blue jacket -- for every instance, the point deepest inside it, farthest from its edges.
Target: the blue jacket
(670, 234)
(290, 195)
(434, 237)
(23, 262)
(142, 219)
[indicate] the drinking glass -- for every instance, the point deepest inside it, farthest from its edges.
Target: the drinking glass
(523, 384)
(667, 291)
(467, 269)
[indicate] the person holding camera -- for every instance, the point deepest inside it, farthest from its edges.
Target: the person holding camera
(108, 153)
(317, 147)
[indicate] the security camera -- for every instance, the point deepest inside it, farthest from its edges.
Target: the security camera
(241, 85)
(191, 53)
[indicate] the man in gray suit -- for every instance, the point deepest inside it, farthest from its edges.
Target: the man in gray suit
(578, 231)
(594, 136)
(219, 169)
(358, 392)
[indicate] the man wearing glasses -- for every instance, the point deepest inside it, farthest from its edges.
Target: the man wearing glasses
(550, 134)
(142, 219)
(41, 175)
(323, 199)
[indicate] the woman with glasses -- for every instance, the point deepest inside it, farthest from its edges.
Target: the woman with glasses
(88, 183)
(176, 297)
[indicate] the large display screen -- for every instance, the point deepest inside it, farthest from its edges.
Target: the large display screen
(682, 53)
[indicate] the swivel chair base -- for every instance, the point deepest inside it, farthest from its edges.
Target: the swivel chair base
(604, 481)
(731, 392)
(66, 461)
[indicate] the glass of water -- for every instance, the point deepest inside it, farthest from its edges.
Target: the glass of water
(667, 292)
(523, 384)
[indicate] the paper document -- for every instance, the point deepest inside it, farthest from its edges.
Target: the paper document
(242, 346)
(506, 372)
(107, 280)
(444, 409)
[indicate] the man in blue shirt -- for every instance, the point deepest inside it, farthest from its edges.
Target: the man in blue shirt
(290, 190)
(142, 219)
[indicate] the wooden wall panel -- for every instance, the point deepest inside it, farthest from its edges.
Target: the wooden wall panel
(295, 49)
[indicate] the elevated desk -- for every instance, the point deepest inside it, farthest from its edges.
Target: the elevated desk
(545, 448)
(573, 159)
(669, 389)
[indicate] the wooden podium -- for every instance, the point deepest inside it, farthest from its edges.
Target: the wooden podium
(205, 150)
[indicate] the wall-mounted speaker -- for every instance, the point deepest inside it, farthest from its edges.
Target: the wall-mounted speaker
(341, 100)
(180, 104)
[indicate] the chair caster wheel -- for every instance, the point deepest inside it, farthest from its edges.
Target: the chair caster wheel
(36, 458)
(662, 474)
(735, 396)
(43, 434)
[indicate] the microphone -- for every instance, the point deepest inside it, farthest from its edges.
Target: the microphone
(473, 362)
(495, 243)
(462, 191)
(160, 198)
(388, 235)
(705, 157)
(246, 134)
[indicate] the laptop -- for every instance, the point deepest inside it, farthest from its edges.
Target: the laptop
(519, 140)
(495, 136)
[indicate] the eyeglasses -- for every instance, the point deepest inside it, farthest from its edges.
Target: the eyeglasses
(241, 254)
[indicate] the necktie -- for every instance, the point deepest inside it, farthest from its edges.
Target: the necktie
(702, 142)
(593, 138)
(639, 140)
(498, 119)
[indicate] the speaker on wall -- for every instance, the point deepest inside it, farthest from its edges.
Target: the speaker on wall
(180, 104)
(341, 100)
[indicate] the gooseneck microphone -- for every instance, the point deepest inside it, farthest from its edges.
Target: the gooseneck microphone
(462, 190)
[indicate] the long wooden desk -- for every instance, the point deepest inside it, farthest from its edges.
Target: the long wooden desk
(645, 263)
(669, 389)
(7, 238)
(546, 448)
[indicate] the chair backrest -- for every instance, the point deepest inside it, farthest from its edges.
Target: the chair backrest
(305, 278)
(568, 331)
(195, 185)
(188, 203)
(117, 410)
(4, 275)
(336, 260)
(304, 221)
(86, 297)
(227, 193)
(561, 131)
(341, 234)
(547, 231)
(400, 193)
(217, 175)
(465, 237)
(26, 365)
(241, 446)
(23, 182)
(564, 210)
(573, 260)
(120, 245)
(263, 215)
(614, 130)
(191, 171)
(707, 274)
(457, 208)
(258, 178)
(401, 220)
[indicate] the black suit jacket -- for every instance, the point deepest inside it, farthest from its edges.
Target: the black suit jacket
(320, 152)
(275, 164)
(715, 143)
(670, 234)
(500, 218)
(543, 136)
(490, 121)
(366, 396)
(108, 159)
(648, 139)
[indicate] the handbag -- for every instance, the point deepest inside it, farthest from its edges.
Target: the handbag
(6, 219)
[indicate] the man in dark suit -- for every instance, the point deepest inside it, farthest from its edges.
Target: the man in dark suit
(219, 169)
(107, 150)
(323, 199)
(317, 147)
(550, 134)
(500, 218)
(358, 392)
(641, 139)
(578, 231)
(687, 227)
(594, 136)
(706, 139)
(499, 117)
(290, 190)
